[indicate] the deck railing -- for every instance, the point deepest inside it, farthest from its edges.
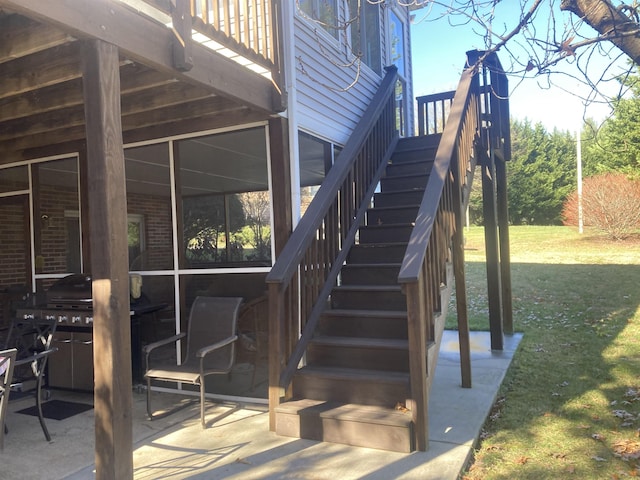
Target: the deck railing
(433, 111)
(306, 270)
(475, 121)
(248, 31)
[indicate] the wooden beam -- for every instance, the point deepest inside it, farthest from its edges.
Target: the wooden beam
(27, 73)
(138, 104)
(146, 41)
(109, 266)
(134, 78)
(46, 131)
(21, 36)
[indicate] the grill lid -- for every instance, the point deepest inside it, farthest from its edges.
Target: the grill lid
(73, 289)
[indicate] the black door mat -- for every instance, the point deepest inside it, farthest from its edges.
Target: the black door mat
(57, 409)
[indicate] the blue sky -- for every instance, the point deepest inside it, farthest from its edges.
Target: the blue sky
(438, 52)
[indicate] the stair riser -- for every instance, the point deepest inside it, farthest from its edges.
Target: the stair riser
(368, 300)
(366, 358)
(396, 438)
(384, 394)
(399, 199)
(370, 275)
(394, 184)
(408, 168)
(377, 216)
(375, 234)
(364, 327)
(376, 254)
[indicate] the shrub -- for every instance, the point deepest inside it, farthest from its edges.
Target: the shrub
(610, 202)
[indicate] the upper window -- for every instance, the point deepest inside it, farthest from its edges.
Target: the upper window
(324, 12)
(396, 37)
(365, 32)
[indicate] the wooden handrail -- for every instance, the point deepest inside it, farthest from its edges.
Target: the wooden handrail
(478, 119)
(307, 268)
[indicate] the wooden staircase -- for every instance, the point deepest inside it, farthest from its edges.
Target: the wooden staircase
(354, 383)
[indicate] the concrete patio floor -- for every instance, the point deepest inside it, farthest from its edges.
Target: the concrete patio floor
(238, 445)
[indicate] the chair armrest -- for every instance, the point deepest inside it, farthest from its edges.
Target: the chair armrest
(210, 348)
(37, 356)
(152, 346)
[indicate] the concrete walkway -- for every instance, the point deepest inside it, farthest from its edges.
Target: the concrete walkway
(238, 444)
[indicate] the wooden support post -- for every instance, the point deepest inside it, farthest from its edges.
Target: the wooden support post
(182, 24)
(494, 288)
(280, 181)
(109, 266)
(419, 402)
(505, 254)
(461, 287)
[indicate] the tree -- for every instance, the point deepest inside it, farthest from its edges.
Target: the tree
(543, 39)
(206, 221)
(615, 146)
(609, 203)
(257, 210)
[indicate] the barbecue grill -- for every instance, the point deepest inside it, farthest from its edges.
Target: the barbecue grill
(69, 301)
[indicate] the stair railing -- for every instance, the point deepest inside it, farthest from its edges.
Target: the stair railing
(304, 274)
(469, 126)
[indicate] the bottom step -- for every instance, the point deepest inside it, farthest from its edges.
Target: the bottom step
(348, 424)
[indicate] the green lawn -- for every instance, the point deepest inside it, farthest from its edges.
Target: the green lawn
(570, 404)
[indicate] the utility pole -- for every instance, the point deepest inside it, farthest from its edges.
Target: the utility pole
(579, 155)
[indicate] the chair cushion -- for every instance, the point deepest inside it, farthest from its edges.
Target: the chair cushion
(178, 373)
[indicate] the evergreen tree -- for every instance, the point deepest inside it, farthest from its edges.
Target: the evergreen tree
(541, 174)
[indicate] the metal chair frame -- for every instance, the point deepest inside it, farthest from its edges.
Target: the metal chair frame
(210, 347)
(7, 362)
(31, 337)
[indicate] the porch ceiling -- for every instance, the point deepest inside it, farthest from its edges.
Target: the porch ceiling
(41, 94)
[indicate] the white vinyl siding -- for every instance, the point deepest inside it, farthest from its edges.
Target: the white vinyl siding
(322, 107)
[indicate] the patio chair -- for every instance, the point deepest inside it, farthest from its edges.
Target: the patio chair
(31, 337)
(7, 361)
(253, 331)
(210, 347)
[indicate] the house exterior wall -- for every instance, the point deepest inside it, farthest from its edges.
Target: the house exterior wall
(332, 97)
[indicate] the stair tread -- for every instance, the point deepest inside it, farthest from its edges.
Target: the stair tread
(366, 313)
(395, 207)
(360, 342)
(354, 373)
(373, 265)
(370, 288)
(347, 411)
(404, 190)
(389, 225)
(381, 244)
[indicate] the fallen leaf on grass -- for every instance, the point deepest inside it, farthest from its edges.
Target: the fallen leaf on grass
(559, 456)
(627, 450)
(522, 460)
(598, 437)
(570, 469)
